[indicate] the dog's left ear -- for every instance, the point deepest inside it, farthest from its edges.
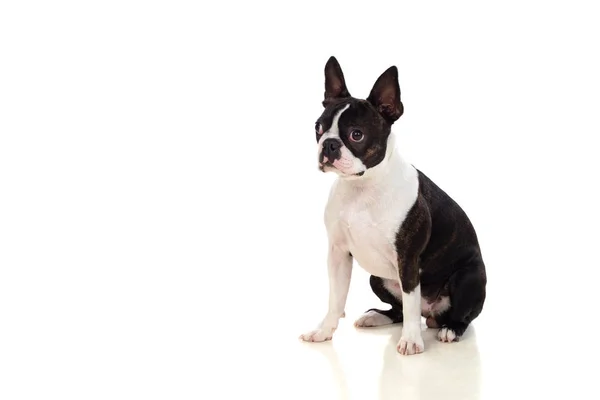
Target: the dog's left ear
(385, 95)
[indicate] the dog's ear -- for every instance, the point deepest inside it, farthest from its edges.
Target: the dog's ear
(335, 85)
(385, 95)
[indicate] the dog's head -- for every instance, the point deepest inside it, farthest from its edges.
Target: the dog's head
(352, 134)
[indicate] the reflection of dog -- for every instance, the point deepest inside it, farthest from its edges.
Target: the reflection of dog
(415, 241)
(437, 375)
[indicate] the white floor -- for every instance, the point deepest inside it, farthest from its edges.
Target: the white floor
(161, 212)
(505, 354)
(176, 334)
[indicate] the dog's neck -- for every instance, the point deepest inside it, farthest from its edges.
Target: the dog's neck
(390, 171)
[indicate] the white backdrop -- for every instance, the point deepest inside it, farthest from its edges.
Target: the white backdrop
(161, 210)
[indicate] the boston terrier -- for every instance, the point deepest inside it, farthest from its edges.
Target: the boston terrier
(417, 244)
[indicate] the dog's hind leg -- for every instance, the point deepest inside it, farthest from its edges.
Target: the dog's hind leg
(467, 295)
(376, 317)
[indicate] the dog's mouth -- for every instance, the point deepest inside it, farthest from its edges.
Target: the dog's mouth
(340, 166)
(324, 160)
(329, 166)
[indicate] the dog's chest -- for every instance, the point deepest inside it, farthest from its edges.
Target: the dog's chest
(365, 221)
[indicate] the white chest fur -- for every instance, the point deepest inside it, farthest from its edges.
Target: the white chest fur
(364, 215)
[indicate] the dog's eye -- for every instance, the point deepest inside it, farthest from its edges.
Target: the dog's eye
(318, 128)
(357, 136)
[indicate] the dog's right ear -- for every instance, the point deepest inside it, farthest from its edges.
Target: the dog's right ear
(385, 95)
(335, 85)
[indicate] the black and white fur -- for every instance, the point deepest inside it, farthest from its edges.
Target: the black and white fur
(416, 242)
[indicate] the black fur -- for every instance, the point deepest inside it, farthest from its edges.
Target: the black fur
(360, 115)
(447, 255)
(335, 84)
(373, 117)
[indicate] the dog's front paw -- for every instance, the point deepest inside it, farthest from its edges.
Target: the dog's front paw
(318, 335)
(411, 342)
(409, 347)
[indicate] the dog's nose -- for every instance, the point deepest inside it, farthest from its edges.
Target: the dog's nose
(331, 149)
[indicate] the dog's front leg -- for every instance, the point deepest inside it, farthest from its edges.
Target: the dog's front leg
(411, 341)
(339, 266)
(410, 242)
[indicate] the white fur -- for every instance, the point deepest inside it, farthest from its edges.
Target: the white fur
(411, 341)
(446, 335)
(364, 214)
(372, 318)
(436, 307)
(362, 217)
(394, 287)
(318, 335)
(339, 265)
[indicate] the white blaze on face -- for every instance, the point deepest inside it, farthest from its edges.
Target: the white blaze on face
(348, 164)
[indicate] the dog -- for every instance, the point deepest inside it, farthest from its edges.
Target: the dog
(416, 242)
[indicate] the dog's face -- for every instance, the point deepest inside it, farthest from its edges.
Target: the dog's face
(351, 133)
